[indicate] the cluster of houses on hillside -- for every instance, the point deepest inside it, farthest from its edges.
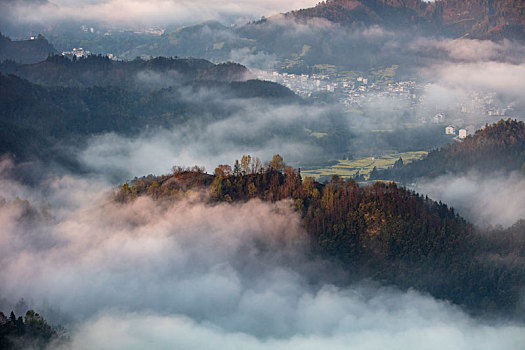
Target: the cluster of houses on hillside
(82, 53)
(461, 133)
(302, 84)
(78, 53)
(359, 92)
(352, 92)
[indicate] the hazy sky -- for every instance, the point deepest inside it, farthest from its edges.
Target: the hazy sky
(140, 12)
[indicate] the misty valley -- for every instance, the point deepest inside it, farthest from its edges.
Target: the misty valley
(343, 174)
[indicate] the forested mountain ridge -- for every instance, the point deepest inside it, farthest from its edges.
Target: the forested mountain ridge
(381, 231)
(25, 51)
(99, 70)
(457, 18)
(499, 147)
(56, 110)
(35, 117)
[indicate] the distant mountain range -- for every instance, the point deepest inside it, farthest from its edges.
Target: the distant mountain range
(347, 34)
(483, 19)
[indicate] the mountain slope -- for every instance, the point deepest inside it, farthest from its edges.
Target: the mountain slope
(25, 51)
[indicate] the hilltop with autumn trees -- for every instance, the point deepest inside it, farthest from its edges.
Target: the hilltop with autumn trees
(382, 231)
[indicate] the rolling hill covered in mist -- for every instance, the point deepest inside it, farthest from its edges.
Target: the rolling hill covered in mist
(57, 70)
(381, 231)
(345, 35)
(96, 95)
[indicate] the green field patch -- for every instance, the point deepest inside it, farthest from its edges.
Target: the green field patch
(325, 68)
(319, 134)
(218, 46)
(305, 50)
(350, 168)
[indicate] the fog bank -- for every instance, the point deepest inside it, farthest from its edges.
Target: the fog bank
(495, 199)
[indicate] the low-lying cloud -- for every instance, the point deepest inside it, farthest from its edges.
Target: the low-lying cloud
(227, 128)
(376, 327)
(504, 78)
(495, 199)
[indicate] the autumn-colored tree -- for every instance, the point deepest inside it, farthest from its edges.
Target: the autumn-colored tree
(216, 188)
(277, 162)
(246, 161)
(252, 190)
(223, 170)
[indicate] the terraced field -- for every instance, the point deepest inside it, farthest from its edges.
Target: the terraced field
(349, 168)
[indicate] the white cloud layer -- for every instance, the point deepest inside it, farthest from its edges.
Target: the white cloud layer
(404, 329)
(254, 126)
(499, 77)
(496, 199)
